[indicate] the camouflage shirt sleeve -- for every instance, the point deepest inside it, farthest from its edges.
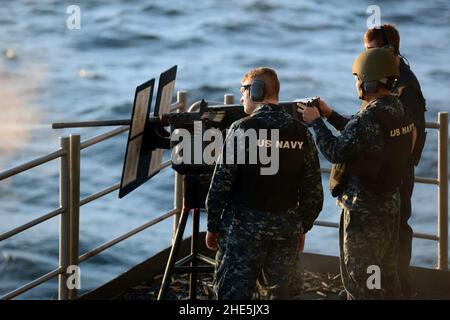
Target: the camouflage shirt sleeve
(359, 133)
(222, 181)
(338, 121)
(311, 191)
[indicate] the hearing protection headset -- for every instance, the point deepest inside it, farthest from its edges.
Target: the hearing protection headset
(370, 86)
(257, 90)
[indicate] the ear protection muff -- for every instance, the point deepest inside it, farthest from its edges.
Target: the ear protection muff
(370, 86)
(257, 91)
(367, 87)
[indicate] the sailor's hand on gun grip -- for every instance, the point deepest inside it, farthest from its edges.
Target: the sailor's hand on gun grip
(211, 240)
(309, 113)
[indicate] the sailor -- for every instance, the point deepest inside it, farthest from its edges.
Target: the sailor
(370, 157)
(257, 220)
(408, 90)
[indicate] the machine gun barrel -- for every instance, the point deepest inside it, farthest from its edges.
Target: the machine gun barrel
(97, 123)
(165, 119)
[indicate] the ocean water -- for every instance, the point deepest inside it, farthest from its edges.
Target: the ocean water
(91, 73)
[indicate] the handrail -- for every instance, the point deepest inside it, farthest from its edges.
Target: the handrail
(99, 194)
(103, 137)
(54, 213)
(432, 125)
(426, 180)
(112, 188)
(125, 236)
(69, 207)
(31, 164)
(329, 224)
(32, 284)
(416, 179)
(30, 224)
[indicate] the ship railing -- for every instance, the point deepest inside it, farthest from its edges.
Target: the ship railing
(70, 202)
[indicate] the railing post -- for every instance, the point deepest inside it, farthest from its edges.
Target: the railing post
(64, 221)
(443, 191)
(74, 211)
(228, 99)
(69, 199)
(178, 178)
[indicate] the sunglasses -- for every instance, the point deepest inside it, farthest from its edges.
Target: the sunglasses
(244, 87)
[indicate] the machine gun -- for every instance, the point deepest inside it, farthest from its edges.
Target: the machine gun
(149, 135)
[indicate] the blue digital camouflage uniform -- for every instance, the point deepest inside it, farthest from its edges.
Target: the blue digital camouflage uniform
(368, 230)
(256, 244)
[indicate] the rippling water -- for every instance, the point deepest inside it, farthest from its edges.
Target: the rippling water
(91, 73)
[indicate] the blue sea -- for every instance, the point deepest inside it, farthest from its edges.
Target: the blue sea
(50, 73)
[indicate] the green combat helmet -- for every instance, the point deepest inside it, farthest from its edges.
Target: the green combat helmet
(375, 66)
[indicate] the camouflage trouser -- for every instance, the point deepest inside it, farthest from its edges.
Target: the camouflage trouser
(369, 239)
(255, 246)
